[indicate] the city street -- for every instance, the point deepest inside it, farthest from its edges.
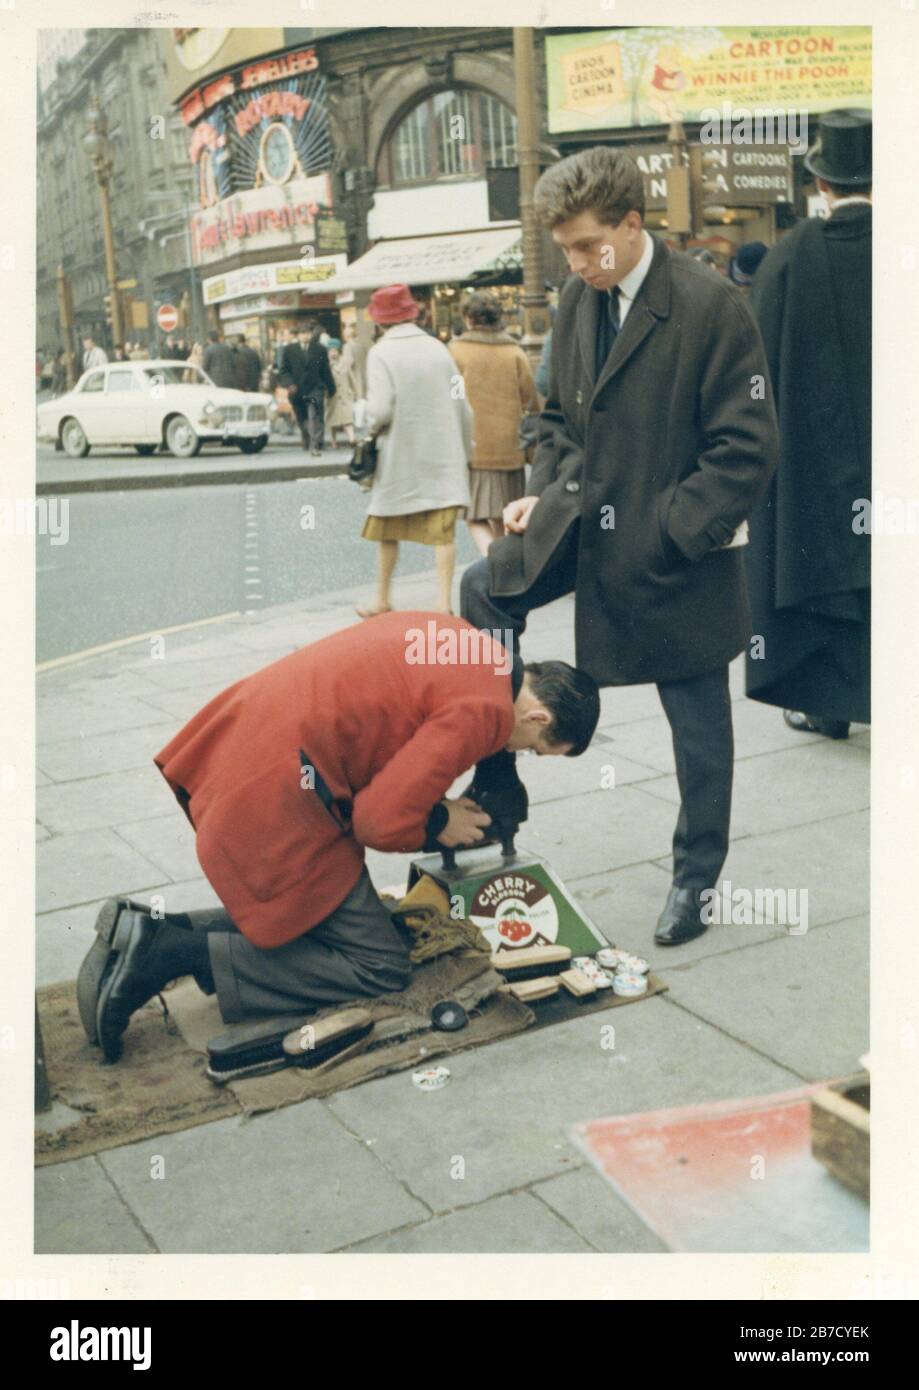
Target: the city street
(139, 561)
(624, 349)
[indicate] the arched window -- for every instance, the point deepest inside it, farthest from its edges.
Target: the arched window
(450, 135)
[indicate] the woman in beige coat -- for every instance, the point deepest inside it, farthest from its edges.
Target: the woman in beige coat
(499, 387)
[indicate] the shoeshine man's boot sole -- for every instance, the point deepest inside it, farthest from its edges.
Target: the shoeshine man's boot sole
(89, 979)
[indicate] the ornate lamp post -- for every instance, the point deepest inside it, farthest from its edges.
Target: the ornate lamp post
(96, 146)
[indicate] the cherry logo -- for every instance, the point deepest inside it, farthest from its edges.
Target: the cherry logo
(515, 930)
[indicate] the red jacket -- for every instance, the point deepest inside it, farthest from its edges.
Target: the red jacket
(348, 742)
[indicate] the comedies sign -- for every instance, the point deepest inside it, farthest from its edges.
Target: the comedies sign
(745, 176)
(617, 78)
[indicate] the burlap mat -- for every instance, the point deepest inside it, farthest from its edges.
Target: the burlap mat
(160, 1086)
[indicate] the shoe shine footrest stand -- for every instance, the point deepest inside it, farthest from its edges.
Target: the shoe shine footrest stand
(513, 896)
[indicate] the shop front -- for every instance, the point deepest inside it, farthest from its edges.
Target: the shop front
(268, 303)
(440, 270)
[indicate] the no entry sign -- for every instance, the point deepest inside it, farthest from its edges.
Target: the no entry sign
(167, 316)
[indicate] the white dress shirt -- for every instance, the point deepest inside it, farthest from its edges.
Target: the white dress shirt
(630, 284)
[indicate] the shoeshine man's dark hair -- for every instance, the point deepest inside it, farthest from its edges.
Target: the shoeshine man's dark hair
(572, 697)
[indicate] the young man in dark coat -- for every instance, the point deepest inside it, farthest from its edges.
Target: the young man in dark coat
(657, 439)
(288, 775)
(307, 373)
(808, 562)
(218, 361)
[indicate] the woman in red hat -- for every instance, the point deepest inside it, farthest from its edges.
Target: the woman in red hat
(417, 409)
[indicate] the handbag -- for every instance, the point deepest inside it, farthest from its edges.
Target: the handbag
(363, 463)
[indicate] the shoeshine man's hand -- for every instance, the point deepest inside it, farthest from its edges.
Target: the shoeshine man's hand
(516, 514)
(465, 823)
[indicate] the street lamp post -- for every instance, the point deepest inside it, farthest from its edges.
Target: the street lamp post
(533, 301)
(96, 146)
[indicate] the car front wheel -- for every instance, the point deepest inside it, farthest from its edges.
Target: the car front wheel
(75, 443)
(181, 438)
(253, 446)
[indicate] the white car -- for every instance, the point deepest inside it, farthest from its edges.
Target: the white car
(148, 403)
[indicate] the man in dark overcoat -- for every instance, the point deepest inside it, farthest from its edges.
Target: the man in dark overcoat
(306, 372)
(247, 365)
(808, 563)
(657, 439)
(218, 360)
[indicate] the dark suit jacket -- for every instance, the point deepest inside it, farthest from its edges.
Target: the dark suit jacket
(659, 459)
(308, 370)
(219, 363)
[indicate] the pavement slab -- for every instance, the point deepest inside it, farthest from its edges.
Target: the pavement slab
(773, 791)
(66, 716)
(87, 866)
(788, 998)
(299, 1182)
(519, 1222)
(72, 759)
(601, 830)
(167, 841)
(101, 801)
(593, 1209)
(79, 1212)
(507, 1108)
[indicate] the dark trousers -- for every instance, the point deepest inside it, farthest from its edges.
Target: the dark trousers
(310, 413)
(698, 710)
(356, 951)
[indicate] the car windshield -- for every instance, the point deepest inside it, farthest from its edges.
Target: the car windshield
(179, 375)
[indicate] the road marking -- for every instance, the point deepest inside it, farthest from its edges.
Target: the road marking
(127, 641)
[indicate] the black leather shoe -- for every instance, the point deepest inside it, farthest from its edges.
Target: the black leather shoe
(681, 919)
(508, 807)
(96, 959)
(129, 980)
(812, 724)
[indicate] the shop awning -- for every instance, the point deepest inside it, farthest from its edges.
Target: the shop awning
(449, 257)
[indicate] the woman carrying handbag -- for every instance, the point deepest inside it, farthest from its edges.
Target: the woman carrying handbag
(421, 427)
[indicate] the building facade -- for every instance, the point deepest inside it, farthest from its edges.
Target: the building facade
(150, 188)
(312, 146)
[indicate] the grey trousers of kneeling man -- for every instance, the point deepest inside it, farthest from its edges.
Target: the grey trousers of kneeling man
(357, 950)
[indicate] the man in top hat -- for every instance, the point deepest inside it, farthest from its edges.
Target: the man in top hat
(808, 562)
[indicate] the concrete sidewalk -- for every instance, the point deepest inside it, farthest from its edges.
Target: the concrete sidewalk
(750, 1009)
